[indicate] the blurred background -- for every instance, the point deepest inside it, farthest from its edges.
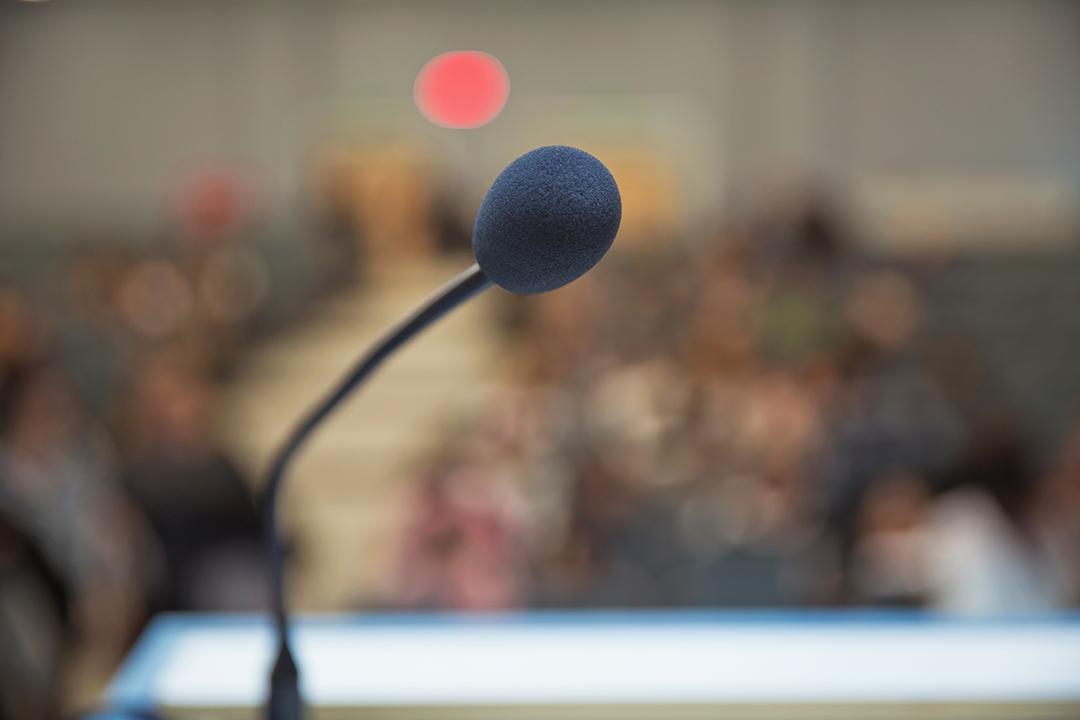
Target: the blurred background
(830, 360)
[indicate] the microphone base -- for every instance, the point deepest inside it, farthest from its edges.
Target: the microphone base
(284, 702)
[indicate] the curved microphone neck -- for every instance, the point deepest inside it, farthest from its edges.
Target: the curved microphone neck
(284, 702)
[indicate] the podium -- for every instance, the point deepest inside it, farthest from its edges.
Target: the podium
(606, 665)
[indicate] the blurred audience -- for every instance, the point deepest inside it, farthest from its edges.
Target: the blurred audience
(762, 416)
(771, 424)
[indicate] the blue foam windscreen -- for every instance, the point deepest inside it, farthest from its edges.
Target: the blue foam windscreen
(547, 219)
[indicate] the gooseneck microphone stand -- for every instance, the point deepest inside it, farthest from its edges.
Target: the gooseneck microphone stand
(285, 701)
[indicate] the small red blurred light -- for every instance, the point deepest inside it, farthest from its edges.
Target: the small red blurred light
(462, 89)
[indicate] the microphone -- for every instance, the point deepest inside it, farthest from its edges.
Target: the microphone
(548, 218)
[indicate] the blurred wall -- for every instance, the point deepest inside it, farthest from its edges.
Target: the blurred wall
(947, 110)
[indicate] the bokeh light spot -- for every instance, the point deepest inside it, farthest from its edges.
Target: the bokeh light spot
(462, 89)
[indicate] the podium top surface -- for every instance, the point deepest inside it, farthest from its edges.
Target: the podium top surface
(610, 659)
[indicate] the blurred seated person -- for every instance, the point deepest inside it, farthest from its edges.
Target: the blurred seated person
(987, 556)
(57, 480)
(33, 627)
(461, 546)
(890, 556)
(21, 332)
(799, 221)
(196, 499)
(1058, 514)
(599, 561)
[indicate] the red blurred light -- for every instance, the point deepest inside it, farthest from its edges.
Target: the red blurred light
(462, 89)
